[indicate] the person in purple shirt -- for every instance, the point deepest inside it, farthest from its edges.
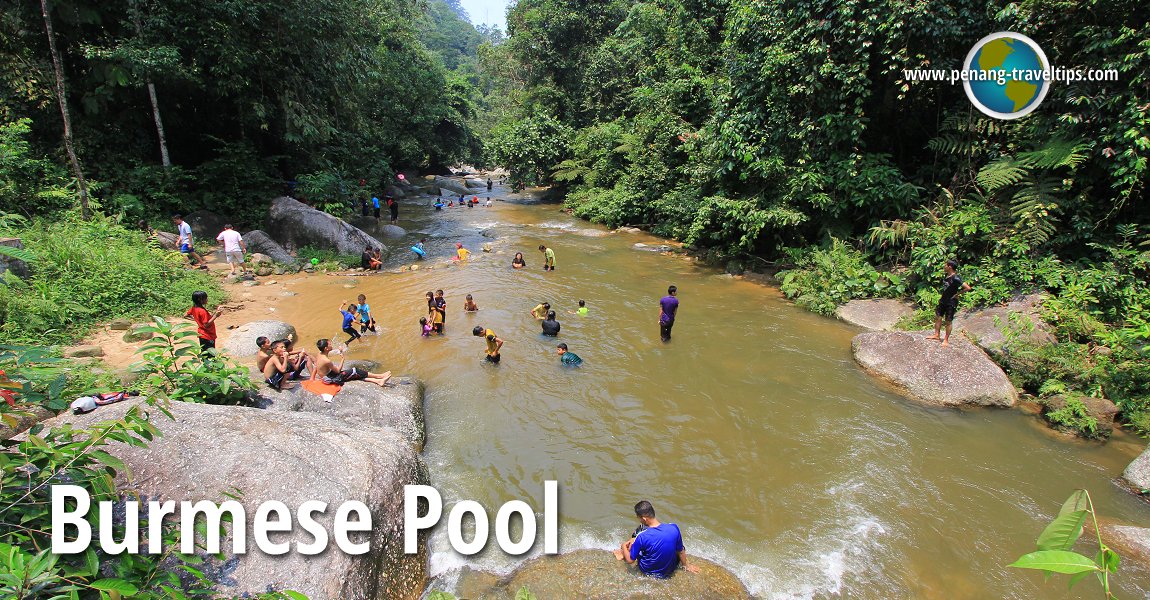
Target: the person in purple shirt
(668, 306)
(657, 547)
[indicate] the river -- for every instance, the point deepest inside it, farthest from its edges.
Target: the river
(753, 429)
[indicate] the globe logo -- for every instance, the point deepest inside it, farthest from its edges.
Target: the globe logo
(1006, 75)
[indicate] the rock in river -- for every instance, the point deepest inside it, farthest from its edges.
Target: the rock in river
(291, 458)
(875, 314)
(294, 223)
(596, 575)
(1137, 473)
(242, 341)
(955, 375)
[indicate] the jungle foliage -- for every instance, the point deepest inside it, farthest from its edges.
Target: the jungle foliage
(789, 131)
(247, 95)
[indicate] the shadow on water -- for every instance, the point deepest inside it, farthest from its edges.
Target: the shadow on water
(753, 429)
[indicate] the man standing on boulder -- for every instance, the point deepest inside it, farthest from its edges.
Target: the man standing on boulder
(668, 306)
(952, 287)
(657, 547)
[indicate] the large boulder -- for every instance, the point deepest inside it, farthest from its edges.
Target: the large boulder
(987, 326)
(475, 183)
(1137, 473)
(955, 375)
(293, 223)
(397, 406)
(167, 241)
(875, 314)
(451, 185)
(206, 225)
(291, 458)
(242, 341)
(596, 575)
(392, 231)
(261, 242)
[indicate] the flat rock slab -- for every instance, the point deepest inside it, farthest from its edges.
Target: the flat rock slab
(1137, 473)
(397, 406)
(876, 314)
(292, 458)
(987, 326)
(960, 374)
(596, 575)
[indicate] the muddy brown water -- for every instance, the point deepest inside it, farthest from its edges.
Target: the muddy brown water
(754, 429)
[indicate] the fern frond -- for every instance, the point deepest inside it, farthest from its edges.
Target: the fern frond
(1035, 210)
(953, 145)
(1002, 173)
(1056, 153)
(569, 170)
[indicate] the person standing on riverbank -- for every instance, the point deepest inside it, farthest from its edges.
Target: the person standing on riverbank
(952, 287)
(657, 547)
(185, 243)
(205, 321)
(375, 206)
(548, 258)
(668, 306)
(494, 344)
(234, 248)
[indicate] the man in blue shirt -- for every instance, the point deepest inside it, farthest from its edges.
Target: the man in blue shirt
(657, 547)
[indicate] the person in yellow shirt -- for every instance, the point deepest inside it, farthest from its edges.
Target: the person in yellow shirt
(493, 342)
(463, 253)
(540, 310)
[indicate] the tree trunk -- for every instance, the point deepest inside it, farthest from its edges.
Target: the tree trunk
(82, 186)
(164, 158)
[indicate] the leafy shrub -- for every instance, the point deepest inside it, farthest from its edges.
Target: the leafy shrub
(329, 260)
(80, 457)
(1074, 417)
(175, 367)
(823, 278)
(90, 271)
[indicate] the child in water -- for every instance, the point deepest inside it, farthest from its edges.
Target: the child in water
(349, 321)
(366, 321)
(462, 252)
(424, 327)
(469, 304)
(582, 312)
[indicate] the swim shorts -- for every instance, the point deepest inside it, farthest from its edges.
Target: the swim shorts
(345, 376)
(946, 311)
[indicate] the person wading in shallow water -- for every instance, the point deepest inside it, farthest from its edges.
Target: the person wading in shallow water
(668, 306)
(657, 547)
(952, 287)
